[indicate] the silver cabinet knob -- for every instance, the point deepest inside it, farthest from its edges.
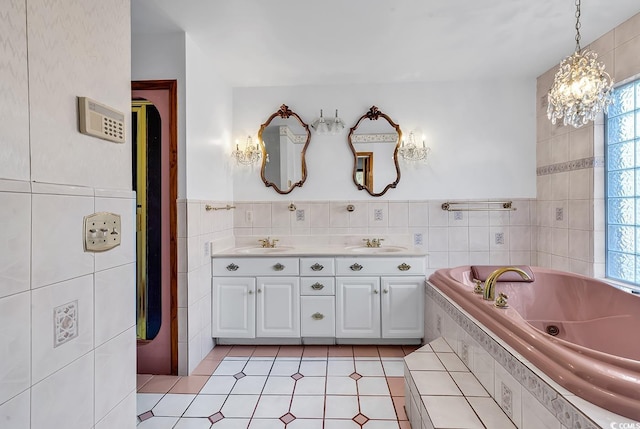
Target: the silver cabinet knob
(232, 267)
(250, 292)
(385, 290)
(259, 290)
(278, 267)
(317, 316)
(317, 286)
(317, 267)
(375, 291)
(356, 267)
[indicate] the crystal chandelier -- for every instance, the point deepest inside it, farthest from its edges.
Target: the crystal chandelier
(249, 156)
(581, 88)
(411, 152)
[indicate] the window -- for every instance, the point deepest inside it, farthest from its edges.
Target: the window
(622, 142)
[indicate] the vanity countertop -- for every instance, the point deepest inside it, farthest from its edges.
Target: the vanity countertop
(301, 251)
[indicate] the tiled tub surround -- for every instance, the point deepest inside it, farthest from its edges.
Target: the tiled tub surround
(527, 395)
(441, 392)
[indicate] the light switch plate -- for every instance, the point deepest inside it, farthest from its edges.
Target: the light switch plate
(102, 231)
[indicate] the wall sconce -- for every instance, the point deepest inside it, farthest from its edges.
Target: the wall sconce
(322, 127)
(249, 155)
(411, 151)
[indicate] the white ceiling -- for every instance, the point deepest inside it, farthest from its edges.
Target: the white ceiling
(299, 42)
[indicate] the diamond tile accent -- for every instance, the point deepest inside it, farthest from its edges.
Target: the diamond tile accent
(361, 419)
(240, 375)
(355, 376)
(65, 325)
(145, 416)
(287, 418)
(297, 376)
(215, 418)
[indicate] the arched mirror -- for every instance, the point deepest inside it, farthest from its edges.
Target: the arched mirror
(284, 139)
(374, 143)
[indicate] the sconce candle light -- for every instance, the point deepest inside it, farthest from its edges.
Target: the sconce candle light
(411, 151)
(250, 155)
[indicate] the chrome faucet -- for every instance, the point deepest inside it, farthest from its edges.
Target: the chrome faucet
(374, 242)
(268, 243)
(490, 283)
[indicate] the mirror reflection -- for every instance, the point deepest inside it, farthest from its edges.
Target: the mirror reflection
(284, 138)
(374, 141)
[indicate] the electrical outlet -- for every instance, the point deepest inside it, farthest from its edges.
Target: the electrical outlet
(559, 213)
(377, 215)
(249, 216)
(457, 215)
(300, 215)
(417, 239)
(499, 237)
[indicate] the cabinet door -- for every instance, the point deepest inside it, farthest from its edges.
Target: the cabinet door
(278, 307)
(402, 307)
(233, 307)
(358, 307)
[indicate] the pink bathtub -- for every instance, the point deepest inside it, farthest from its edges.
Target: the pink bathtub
(596, 352)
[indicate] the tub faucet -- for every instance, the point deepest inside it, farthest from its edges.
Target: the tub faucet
(490, 283)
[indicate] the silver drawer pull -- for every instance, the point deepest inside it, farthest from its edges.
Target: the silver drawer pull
(317, 316)
(356, 267)
(317, 267)
(232, 267)
(317, 286)
(278, 267)
(404, 267)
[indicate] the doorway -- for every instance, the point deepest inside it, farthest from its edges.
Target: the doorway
(154, 172)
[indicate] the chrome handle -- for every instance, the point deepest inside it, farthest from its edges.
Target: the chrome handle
(317, 267)
(278, 267)
(375, 291)
(317, 286)
(385, 290)
(317, 316)
(250, 292)
(404, 267)
(356, 267)
(232, 267)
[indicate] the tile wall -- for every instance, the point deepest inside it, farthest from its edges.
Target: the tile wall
(570, 167)
(199, 231)
(449, 238)
(67, 316)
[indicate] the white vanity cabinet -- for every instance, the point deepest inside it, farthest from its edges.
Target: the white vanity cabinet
(380, 298)
(325, 299)
(255, 298)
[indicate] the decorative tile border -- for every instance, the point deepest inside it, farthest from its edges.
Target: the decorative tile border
(553, 401)
(374, 138)
(576, 164)
(295, 138)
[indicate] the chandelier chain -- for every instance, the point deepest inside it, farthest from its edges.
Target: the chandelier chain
(578, 25)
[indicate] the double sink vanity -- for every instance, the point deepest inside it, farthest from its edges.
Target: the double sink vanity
(318, 295)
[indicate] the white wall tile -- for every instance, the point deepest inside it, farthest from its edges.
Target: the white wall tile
(319, 215)
(194, 213)
(15, 242)
(71, 388)
(479, 238)
(115, 301)
(115, 372)
(458, 239)
(120, 416)
(438, 239)
(508, 394)
(437, 216)
(14, 109)
(418, 213)
(57, 229)
(125, 253)
(15, 413)
(15, 351)
(45, 357)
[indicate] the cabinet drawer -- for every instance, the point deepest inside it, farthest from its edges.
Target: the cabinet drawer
(271, 266)
(382, 266)
(317, 267)
(317, 286)
(317, 316)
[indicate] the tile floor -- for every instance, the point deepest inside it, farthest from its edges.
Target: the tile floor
(272, 387)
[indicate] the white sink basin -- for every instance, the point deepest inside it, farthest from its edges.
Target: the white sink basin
(263, 250)
(376, 250)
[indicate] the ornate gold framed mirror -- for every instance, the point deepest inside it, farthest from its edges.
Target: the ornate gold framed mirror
(284, 139)
(372, 139)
